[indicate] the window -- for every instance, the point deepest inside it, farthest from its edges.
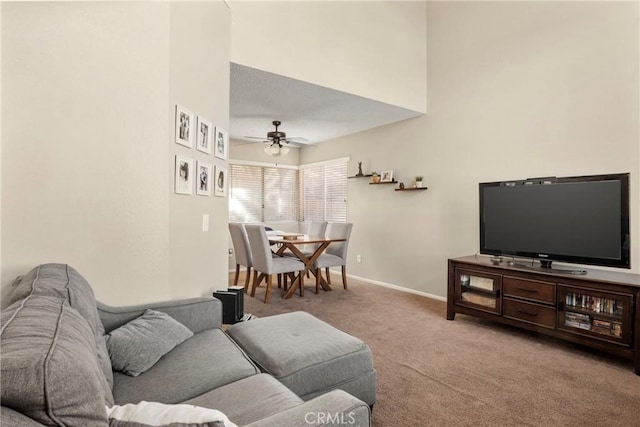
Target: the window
(323, 192)
(316, 192)
(260, 194)
(280, 193)
(245, 193)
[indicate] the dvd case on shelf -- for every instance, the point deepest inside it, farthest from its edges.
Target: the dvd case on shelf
(595, 304)
(586, 322)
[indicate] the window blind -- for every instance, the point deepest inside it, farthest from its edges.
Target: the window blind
(323, 190)
(245, 193)
(259, 194)
(280, 194)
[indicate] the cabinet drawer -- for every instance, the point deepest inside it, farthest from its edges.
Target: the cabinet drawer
(533, 313)
(530, 289)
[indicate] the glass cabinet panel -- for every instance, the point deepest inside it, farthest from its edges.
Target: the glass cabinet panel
(590, 312)
(478, 290)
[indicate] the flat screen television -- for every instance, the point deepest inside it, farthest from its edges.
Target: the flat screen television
(583, 219)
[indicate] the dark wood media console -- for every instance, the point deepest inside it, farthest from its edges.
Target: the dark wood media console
(599, 309)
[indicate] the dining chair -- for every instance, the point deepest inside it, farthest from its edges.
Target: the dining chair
(242, 252)
(267, 263)
(336, 253)
(313, 229)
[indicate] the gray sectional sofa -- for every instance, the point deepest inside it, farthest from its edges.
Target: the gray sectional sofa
(56, 366)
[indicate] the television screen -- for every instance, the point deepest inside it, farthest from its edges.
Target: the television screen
(575, 219)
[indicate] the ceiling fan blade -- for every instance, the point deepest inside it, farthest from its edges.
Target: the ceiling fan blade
(294, 144)
(237, 144)
(279, 138)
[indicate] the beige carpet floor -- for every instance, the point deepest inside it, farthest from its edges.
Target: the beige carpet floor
(467, 372)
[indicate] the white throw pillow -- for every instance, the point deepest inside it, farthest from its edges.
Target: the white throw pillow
(160, 414)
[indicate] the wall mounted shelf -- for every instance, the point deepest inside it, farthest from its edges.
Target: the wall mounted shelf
(368, 176)
(411, 189)
(386, 182)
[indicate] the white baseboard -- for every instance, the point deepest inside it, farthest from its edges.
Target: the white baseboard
(397, 288)
(384, 285)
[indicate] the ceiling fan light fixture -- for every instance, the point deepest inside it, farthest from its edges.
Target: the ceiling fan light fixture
(275, 139)
(273, 150)
(276, 149)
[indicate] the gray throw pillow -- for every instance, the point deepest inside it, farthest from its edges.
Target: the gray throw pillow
(137, 346)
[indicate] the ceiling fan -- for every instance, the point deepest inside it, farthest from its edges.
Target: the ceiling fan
(278, 141)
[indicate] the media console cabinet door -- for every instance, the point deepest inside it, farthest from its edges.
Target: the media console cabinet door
(479, 290)
(594, 313)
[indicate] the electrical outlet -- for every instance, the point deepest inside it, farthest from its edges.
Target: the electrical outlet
(358, 259)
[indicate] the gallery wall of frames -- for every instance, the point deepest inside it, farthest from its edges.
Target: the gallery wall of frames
(196, 175)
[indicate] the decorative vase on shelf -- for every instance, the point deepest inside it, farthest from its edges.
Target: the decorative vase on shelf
(418, 182)
(375, 178)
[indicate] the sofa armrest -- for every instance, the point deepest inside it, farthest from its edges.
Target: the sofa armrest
(335, 408)
(197, 314)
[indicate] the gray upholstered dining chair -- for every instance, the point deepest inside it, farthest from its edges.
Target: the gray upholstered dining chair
(312, 229)
(266, 262)
(336, 254)
(242, 252)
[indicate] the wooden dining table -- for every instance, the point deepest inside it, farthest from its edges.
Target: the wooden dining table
(292, 243)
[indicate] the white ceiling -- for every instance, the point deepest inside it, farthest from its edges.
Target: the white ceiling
(306, 110)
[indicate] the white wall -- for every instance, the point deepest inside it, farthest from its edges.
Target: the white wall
(373, 49)
(199, 81)
(516, 89)
(87, 165)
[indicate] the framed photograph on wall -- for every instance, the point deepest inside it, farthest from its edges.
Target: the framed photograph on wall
(386, 176)
(204, 135)
(184, 175)
(184, 126)
(203, 178)
(220, 184)
(221, 142)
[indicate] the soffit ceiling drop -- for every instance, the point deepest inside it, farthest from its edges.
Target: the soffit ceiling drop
(306, 110)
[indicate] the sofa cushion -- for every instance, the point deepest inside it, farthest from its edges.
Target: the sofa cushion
(9, 417)
(49, 366)
(63, 281)
(163, 415)
(136, 346)
(307, 355)
(207, 360)
(261, 396)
